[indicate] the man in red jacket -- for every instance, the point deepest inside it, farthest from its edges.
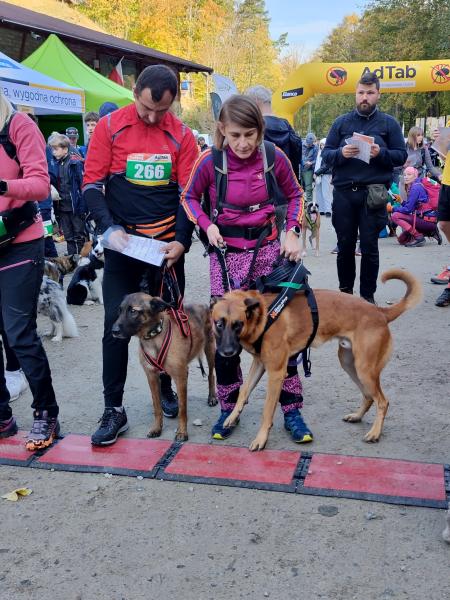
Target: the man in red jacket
(139, 159)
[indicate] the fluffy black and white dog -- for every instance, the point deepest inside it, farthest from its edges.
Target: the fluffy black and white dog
(85, 287)
(52, 304)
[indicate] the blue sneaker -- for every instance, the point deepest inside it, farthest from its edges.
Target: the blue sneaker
(294, 423)
(219, 432)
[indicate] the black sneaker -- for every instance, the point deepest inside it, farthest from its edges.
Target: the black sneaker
(444, 298)
(8, 427)
(112, 424)
(44, 432)
(169, 399)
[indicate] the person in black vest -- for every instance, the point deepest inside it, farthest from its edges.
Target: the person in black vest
(351, 178)
(279, 132)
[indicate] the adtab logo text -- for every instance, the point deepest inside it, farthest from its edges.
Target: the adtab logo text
(392, 72)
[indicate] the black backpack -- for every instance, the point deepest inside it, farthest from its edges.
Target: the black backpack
(6, 142)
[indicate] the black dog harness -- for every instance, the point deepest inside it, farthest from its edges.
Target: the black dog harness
(291, 278)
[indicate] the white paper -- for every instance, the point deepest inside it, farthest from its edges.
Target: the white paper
(364, 145)
(442, 145)
(146, 249)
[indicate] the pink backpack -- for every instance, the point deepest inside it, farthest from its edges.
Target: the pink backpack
(432, 188)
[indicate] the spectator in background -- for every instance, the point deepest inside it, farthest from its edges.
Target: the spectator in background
(279, 132)
(419, 155)
(46, 206)
(106, 108)
(71, 206)
(72, 135)
(202, 144)
(90, 121)
(324, 187)
(309, 157)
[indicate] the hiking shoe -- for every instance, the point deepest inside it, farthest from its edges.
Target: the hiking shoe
(169, 402)
(443, 278)
(44, 432)
(112, 424)
(219, 432)
(8, 427)
(335, 250)
(437, 236)
(416, 242)
(16, 383)
(444, 298)
(294, 423)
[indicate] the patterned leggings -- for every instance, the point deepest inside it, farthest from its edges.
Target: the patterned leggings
(228, 370)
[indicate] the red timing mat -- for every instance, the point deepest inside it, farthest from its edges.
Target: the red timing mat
(376, 476)
(226, 462)
(13, 449)
(126, 453)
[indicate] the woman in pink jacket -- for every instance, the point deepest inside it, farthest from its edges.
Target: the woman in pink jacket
(244, 224)
(24, 181)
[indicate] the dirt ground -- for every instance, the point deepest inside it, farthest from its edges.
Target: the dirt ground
(85, 536)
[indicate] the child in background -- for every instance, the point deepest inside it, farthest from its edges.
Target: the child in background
(90, 120)
(69, 180)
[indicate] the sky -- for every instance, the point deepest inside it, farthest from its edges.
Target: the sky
(308, 22)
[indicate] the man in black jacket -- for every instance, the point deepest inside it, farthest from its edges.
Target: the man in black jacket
(279, 132)
(351, 178)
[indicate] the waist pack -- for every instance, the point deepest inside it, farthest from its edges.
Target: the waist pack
(377, 196)
(16, 220)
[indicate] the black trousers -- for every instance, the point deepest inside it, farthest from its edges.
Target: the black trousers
(350, 214)
(122, 276)
(73, 229)
(21, 270)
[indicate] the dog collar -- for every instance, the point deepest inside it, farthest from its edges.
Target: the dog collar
(156, 330)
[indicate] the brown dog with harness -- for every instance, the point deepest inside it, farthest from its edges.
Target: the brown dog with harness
(169, 339)
(365, 343)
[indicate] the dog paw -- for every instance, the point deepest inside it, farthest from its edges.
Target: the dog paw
(154, 433)
(258, 443)
(212, 400)
(89, 303)
(181, 436)
(371, 437)
(56, 339)
(352, 418)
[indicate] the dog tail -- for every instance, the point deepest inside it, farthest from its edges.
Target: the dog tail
(70, 328)
(412, 297)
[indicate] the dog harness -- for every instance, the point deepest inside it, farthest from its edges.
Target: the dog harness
(291, 278)
(175, 312)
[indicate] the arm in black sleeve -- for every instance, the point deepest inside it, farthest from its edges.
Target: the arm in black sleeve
(183, 229)
(395, 154)
(97, 207)
(332, 153)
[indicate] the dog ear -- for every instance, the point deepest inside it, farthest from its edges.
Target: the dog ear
(158, 305)
(213, 300)
(251, 304)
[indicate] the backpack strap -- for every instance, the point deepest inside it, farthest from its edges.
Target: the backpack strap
(6, 142)
(221, 179)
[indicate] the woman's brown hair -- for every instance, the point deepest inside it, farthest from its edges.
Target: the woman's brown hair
(412, 137)
(243, 111)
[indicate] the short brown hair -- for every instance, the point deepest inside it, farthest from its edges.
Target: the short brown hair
(370, 78)
(91, 116)
(243, 111)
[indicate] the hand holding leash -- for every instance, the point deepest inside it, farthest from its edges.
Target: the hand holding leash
(291, 247)
(214, 236)
(173, 251)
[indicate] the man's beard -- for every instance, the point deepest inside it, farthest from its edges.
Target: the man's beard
(365, 109)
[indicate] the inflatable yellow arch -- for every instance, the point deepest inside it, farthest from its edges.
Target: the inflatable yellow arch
(342, 78)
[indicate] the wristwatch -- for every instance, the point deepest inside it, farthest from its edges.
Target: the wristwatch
(296, 229)
(3, 187)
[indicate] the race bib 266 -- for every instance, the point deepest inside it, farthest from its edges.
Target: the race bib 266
(149, 169)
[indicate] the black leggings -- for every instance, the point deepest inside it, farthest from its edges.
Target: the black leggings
(21, 270)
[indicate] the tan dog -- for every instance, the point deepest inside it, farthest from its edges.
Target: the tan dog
(311, 222)
(361, 328)
(148, 318)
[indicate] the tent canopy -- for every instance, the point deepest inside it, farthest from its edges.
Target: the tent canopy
(25, 87)
(55, 60)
